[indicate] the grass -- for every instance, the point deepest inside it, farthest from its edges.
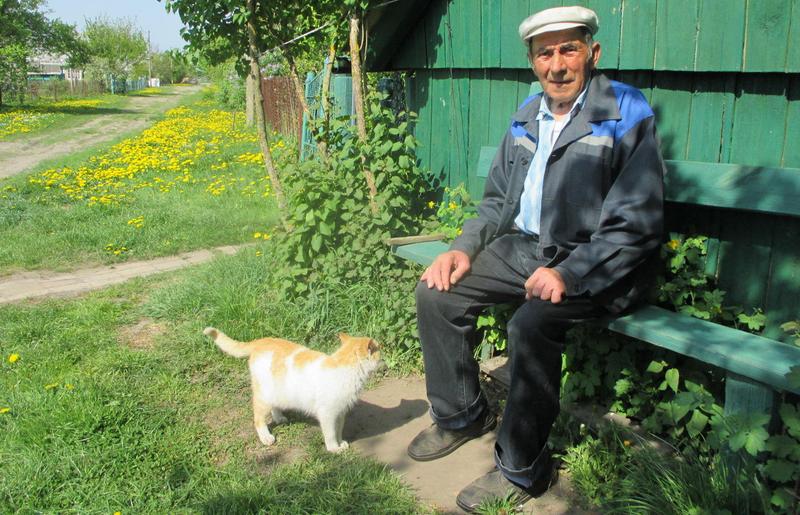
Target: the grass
(618, 473)
(118, 403)
(48, 219)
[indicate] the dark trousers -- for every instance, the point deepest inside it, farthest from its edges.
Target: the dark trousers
(536, 334)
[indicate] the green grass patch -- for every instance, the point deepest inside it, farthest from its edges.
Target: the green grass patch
(143, 197)
(118, 403)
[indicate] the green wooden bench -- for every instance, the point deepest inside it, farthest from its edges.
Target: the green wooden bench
(756, 366)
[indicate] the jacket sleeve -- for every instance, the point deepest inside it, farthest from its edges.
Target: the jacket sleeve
(477, 232)
(631, 218)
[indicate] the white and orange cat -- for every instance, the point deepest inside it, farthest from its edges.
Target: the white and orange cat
(288, 376)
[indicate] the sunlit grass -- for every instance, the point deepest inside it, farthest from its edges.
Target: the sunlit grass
(194, 179)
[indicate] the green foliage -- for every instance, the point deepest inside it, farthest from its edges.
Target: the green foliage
(793, 328)
(335, 239)
(455, 208)
(688, 289)
(114, 46)
(26, 30)
(228, 88)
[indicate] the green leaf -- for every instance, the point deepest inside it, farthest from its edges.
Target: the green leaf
(781, 471)
(791, 419)
(672, 377)
(656, 366)
(782, 446)
(756, 441)
(325, 229)
(697, 423)
(316, 242)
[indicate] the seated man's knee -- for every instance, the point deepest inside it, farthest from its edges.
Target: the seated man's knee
(428, 297)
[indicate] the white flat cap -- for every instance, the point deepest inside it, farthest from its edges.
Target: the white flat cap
(558, 18)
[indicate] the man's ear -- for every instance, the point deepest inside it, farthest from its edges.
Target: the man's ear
(595, 58)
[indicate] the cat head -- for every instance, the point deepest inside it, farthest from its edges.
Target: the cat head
(362, 348)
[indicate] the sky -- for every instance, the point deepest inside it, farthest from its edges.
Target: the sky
(149, 15)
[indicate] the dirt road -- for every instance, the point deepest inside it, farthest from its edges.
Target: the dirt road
(23, 154)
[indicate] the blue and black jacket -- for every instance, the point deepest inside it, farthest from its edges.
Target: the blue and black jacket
(603, 193)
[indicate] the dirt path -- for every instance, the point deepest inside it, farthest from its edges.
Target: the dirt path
(21, 155)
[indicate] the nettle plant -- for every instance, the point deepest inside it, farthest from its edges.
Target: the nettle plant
(335, 238)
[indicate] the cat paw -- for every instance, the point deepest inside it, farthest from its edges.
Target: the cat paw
(338, 448)
(266, 438)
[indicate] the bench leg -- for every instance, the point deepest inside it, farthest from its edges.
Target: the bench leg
(745, 396)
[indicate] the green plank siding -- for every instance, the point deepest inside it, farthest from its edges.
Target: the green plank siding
(459, 129)
(440, 125)
(761, 98)
(791, 148)
(676, 52)
(672, 107)
(512, 51)
(745, 245)
(502, 102)
(478, 127)
(421, 104)
(490, 34)
(793, 52)
(609, 14)
(766, 35)
(720, 36)
(435, 29)
(465, 20)
(637, 41)
(784, 281)
(711, 117)
(524, 79)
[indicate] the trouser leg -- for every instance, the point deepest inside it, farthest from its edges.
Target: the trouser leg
(446, 323)
(536, 335)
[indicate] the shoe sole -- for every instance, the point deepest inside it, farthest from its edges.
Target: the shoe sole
(455, 445)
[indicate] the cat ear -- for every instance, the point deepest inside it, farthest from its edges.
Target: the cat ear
(343, 337)
(372, 346)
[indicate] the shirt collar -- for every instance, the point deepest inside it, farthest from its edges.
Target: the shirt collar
(544, 109)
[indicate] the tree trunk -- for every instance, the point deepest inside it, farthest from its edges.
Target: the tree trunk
(358, 102)
(263, 138)
(250, 99)
(299, 90)
(325, 94)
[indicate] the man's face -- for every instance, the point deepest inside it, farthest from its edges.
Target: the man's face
(563, 62)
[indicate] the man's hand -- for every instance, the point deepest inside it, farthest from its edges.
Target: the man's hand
(546, 284)
(447, 269)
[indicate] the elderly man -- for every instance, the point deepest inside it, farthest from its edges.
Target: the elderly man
(570, 219)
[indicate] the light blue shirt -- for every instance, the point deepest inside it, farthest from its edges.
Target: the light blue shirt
(530, 205)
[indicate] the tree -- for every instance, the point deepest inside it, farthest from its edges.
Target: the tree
(24, 31)
(115, 47)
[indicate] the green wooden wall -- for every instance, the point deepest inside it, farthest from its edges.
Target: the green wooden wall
(677, 35)
(723, 77)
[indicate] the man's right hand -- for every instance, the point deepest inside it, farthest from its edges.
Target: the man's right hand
(447, 269)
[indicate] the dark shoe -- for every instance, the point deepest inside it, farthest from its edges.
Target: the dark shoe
(495, 486)
(434, 442)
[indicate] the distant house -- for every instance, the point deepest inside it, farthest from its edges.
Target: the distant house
(46, 67)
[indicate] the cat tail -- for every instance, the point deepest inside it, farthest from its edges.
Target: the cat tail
(227, 345)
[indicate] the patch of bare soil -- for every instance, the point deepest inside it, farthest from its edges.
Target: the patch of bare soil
(142, 335)
(21, 155)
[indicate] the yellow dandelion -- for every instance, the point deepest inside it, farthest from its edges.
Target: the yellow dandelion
(626, 443)
(258, 253)
(431, 204)
(673, 244)
(13, 358)
(452, 206)
(3, 411)
(50, 386)
(256, 235)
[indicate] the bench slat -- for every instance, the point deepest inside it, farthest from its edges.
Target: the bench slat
(749, 355)
(423, 253)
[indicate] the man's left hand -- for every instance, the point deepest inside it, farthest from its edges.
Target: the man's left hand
(546, 284)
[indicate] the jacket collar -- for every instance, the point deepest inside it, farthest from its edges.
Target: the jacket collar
(600, 103)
